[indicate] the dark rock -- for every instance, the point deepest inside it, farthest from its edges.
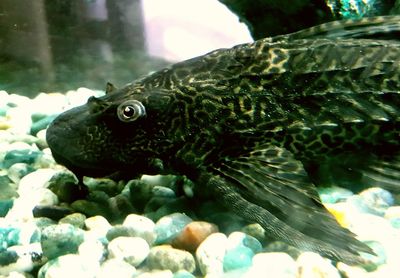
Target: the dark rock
(66, 186)
(52, 212)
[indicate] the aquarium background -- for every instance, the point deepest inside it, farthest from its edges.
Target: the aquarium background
(57, 45)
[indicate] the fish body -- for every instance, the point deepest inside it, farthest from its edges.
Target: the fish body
(259, 125)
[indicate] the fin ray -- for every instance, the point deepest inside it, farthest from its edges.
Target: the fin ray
(275, 191)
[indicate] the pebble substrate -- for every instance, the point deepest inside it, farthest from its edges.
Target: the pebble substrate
(144, 228)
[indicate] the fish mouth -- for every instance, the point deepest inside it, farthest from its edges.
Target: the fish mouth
(62, 136)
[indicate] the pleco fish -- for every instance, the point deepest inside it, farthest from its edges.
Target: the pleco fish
(259, 125)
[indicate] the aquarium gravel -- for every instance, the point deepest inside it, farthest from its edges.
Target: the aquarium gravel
(149, 227)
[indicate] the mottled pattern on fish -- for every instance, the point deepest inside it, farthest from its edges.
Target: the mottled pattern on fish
(259, 125)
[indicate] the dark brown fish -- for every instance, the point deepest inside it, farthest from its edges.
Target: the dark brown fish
(259, 125)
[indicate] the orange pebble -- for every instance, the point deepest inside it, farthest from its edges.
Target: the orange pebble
(193, 234)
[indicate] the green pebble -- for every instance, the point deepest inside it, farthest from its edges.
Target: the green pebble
(43, 222)
(120, 207)
(139, 193)
(90, 208)
(161, 191)
(76, 219)
(20, 156)
(118, 231)
(40, 124)
(7, 190)
(58, 240)
(255, 230)
(5, 206)
(36, 236)
(8, 257)
(108, 186)
(169, 207)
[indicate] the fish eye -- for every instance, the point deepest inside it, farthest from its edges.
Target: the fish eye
(130, 110)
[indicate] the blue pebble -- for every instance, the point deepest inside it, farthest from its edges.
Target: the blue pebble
(395, 223)
(13, 237)
(3, 111)
(239, 257)
(332, 195)
(377, 200)
(252, 243)
(377, 260)
(170, 226)
(9, 236)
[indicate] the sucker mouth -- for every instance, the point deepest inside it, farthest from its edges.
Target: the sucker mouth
(80, 169)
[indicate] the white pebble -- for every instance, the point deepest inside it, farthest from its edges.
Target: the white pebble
(352, 271)
(22, 210)
(41, 135)
(156, 274)
(68, 266)
(392, 212)
(46, 197)
(142, 226)
(26, 258)
(35, 181)
(97, 226)
(19, 100)
(4, 98)
(276, 264)
(40, 103)
(370, 227)
(133, 250)
(312, 265)
(210, 254)
(19, 119)
(92, 249)
(80, 96)
(116, 268)
(16, 171)
(16, 274)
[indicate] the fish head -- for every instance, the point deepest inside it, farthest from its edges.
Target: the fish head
(121, 134)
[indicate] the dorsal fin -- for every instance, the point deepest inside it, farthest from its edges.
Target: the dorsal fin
(110, 88)
(381, 27)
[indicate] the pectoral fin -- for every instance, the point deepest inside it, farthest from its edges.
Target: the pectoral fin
(271, 187)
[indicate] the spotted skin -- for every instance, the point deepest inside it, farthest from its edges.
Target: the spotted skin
(257, 125)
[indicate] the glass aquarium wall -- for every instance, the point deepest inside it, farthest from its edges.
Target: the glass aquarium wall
(57, 45)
